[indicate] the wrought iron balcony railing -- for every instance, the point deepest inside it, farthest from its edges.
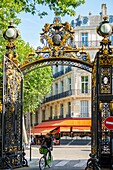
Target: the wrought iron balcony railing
(77, 92)
(68, 69)
(60, 73)
(88, 43)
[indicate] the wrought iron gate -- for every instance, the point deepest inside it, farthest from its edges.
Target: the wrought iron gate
(102, 104)
(12, 152)
(11, 107)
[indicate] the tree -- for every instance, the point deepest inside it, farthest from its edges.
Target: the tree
(37, 84)
(60, 7)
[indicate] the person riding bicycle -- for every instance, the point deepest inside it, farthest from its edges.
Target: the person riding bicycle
(48, 143)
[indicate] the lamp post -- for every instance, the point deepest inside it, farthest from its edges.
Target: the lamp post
(12, 105)
(102, 96)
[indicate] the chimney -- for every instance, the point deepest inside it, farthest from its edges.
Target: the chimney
(104, 10)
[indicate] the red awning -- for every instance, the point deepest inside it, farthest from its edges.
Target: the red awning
(43, 131)
(64, 125)
(66, 122)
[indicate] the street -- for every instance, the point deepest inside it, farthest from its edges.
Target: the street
(65, 157)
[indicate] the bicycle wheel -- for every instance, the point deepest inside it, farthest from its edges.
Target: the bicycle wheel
(50, 161)
(42, 163)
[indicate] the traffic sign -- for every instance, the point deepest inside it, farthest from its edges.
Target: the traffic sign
(109, 122)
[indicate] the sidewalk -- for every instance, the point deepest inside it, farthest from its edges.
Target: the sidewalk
(32, 165)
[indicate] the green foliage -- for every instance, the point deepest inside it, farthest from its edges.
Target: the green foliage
(61, 7)
(37, 84)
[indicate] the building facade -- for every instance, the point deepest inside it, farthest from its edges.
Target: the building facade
(70, 95)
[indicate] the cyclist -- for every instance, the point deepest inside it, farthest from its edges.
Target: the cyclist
(48, 143)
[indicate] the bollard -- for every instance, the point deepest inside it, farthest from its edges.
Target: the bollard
(30, 151)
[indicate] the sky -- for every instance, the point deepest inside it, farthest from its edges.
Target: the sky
(31, 25)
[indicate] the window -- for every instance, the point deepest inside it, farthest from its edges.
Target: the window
(69, 83)
(110, 19)
(51, 111)
(36, 117)
(84, 84)
(43, 115)
(62, 67)
(61, 86)
(61, 110)
(84, 108)
(56, 69)
(69, 108)
(85, 39)
(51, 93)
(85, 20)
(56, 88)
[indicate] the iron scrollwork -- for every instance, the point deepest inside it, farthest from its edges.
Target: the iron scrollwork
(56, 39)
(11, 107)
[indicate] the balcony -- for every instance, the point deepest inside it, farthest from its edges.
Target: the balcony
(60, 95)
(88, 43)
(68, 69)
(60, 73)
(66, 94)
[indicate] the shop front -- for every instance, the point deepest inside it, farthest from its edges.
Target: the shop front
(71, 127)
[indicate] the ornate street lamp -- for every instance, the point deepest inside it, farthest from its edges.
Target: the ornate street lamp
(105, 29)
(11, 33)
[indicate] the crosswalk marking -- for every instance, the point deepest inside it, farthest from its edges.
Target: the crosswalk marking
(62, 163)
(81, 163)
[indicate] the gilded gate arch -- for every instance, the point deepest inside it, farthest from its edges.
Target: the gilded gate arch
(57, 50)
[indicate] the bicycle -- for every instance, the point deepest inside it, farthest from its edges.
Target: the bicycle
(92, 163)
(45, 160)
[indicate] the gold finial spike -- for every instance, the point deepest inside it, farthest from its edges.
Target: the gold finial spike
(11, 22)
(105, 18)
(82, 47)
(32, 52)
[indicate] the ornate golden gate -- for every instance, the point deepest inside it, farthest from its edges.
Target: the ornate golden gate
(102, 98)
(57, 51)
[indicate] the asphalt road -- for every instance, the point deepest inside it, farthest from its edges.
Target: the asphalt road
(66, 157)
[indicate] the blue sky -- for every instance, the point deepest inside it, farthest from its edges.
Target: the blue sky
(31, 25)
